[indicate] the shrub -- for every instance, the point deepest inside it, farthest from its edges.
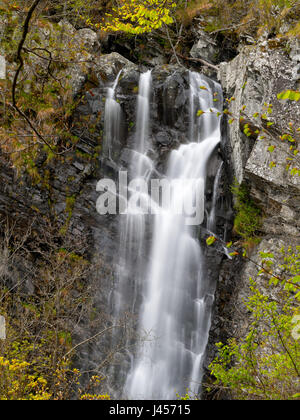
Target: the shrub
(265, 362)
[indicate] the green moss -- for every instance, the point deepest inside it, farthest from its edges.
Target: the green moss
(70, 203)
(247, 220)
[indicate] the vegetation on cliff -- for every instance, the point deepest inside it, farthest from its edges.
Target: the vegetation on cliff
(264, 363)
(44, 302)
(36, 106)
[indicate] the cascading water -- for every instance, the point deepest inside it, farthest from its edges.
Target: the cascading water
(112, 121)
(202, 98)
(132, 223)
(168, 289)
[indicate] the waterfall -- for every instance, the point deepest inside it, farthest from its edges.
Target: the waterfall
(112, 119)
(143, 109)
(132, 223)
(202, 98)
(161, 271)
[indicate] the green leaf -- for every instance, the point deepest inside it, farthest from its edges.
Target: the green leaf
(295, 279)
(274, 281)
(266, 255)
(271, 149)
(292, 95)
(210, 240)
(233, 254)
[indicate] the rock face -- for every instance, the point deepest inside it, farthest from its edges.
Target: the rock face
(2, 328)
(253, 79)
(205, 47)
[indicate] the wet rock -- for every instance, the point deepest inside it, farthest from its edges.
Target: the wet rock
(129, 80)
(171, 96)
(152, 54)
(163, 139)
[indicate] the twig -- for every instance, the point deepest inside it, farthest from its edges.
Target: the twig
(258, 265)
(232, 27)
(172, 46)
(284, 346)
(92, 338)
(55, 60)
(199, 60)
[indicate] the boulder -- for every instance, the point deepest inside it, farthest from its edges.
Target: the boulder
(108, 66)
(205, 47)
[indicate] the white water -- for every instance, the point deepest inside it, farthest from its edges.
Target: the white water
(170, 291)
(112, 119)
(175, 311)
(132, 225)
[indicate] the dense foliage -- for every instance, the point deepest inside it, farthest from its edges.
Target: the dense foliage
(42, 307)
(138, 16)
(264, 363)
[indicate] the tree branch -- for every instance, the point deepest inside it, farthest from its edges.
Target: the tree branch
(15, 80)
(92, 338)
(229, 28)
(199, 60)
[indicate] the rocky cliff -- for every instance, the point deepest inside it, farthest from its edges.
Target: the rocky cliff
(66, 193)
(253, 79)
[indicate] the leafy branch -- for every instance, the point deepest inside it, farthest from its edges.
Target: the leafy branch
(235, 251)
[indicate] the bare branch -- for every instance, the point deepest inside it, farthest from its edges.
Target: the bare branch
(92, 338)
